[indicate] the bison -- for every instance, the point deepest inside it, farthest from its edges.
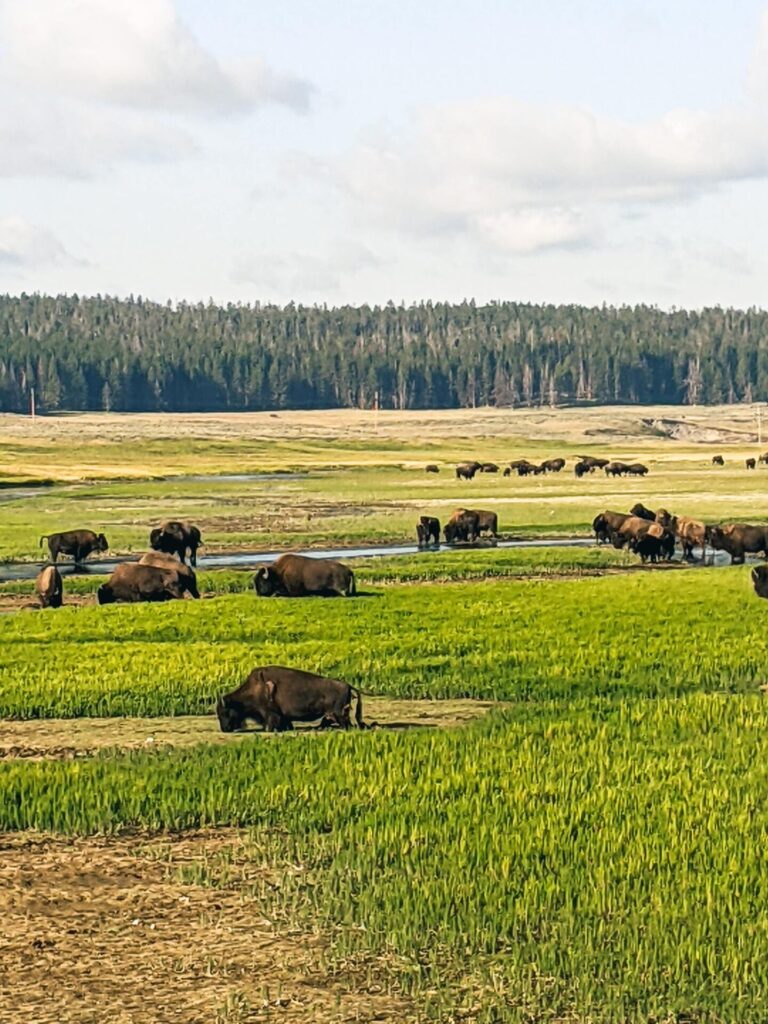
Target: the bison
(276, 697)
(463, 525)
(690, 532)
(131, 583)
(637, 469)
(738, 539)
(428, 530)
(616, 469)
(633, 528)
(581, 468)
(176, 538)
(552, 465)
(760, 580)
(489, 467)
(467, 470)
(750, 463)
(718, 460)
(301, 576)
(163, 561)
(77, 543)
(648, 547)
(49, 587)
(507, 471)
(432, 468)
(638, 509)
(592, 462)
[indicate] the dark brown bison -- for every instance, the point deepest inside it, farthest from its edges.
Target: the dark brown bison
(489, 467)
(301, 576)
(633, 528)
(170, 562)
(177, 538)
(580, 469)
(649, 548)
(487, 522)
(763, 458)
(638, 509)
(718, 460)
(592, 462)
(131, 583)
(507, 471)
(637, 469)
(276, 697)
(552, 465)
(428, 530)
(616, 469)
(467, 470)
(77, 543)
(760, 580)
(738, 539)
(463, 526)
(432, 468)
(750, 463)
(607, 521)
(49, 588)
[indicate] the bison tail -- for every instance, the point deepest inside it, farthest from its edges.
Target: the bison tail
(44, 537)
(352, 588)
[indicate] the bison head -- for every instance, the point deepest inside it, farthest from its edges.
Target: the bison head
(265, 581)
(102, 543)
(714, 536)
(231, 714)
(154, 538)
(105, 595)
(760, 580)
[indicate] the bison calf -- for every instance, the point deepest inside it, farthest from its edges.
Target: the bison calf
(276, 697)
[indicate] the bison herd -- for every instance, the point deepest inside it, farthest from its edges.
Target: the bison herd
(653, 535)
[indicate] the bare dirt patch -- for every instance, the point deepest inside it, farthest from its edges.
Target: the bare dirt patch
(81, 737)
(104, 930)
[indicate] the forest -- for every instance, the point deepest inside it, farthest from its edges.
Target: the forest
(103, 353)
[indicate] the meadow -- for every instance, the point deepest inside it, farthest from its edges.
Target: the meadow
(591, 850)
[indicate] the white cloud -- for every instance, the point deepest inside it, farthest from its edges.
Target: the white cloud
(523, 178)
(24, 245)
(299, 273)
(135, 53)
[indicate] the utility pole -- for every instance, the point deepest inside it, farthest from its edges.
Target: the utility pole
(32, 402)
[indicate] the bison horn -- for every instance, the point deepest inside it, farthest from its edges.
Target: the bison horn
(755, 575)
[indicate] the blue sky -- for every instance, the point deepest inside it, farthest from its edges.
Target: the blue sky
(360, 152)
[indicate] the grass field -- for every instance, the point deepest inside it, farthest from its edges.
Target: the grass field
(584, 844)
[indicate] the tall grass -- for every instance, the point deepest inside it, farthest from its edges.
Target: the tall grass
(605, 861)
(642, 634)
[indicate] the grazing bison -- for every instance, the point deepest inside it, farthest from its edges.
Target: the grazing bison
(131, 582)
(486, 521)
(432, 468)
(300, 576)
(276, 697)
(462, 526)
(616, 469)
(522, 467)
(176, 538)
(489, 467)
(760, 580)
(750, 463)
(49, 588)
(592, 462)
(642, 512)
(738, 539)
(467, 470)
(77, 543)
(552, 465)
(718, 460)
(637, 469)
(428, 530)
(163, 561)
(507, 471)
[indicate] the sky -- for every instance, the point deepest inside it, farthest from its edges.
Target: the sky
(330, 151)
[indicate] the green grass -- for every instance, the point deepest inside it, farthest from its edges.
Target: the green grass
(600, 862)
(638, 634)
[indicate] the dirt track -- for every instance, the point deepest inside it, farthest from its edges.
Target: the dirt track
(104, 930)
(80, 737)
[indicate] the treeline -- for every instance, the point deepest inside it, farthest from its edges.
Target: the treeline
(135, 355)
